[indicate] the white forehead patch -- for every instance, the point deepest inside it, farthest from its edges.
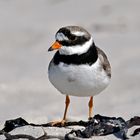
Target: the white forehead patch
(61, 37)
(78, 33)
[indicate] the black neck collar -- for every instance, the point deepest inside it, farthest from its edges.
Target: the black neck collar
(87, 58)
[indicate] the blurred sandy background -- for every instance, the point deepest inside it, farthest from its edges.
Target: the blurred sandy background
(27, 29)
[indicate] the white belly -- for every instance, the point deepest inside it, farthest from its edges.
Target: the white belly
(81, 80)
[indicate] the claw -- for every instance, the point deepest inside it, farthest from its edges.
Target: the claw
(58, 123)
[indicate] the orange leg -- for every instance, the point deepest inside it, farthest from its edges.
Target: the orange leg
(67, 102)
(62, 122)
(90, 104)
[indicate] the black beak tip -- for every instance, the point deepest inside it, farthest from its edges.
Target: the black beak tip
(50, 49)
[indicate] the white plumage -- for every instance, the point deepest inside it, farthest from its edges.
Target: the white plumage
(78, 80)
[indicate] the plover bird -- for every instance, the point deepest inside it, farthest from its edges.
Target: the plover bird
(79, 67)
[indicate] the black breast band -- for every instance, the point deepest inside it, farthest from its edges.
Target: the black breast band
(87, 58)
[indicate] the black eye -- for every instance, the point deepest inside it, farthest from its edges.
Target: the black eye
(72, 37)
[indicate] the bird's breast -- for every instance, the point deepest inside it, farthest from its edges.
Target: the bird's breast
(78, 80)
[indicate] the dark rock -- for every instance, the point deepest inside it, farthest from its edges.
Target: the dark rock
(102, 125)
(96, 126)
(136, 132)
(12, 124)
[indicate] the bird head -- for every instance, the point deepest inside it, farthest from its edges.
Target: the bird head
(72, 40)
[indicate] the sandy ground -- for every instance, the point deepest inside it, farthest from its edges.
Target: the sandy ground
(27, 30)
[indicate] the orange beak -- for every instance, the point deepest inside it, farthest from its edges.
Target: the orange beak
(55, 46)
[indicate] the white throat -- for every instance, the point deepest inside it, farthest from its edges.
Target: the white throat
(78, 49)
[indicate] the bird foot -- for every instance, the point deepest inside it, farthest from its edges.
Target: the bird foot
(58, 123)
(90, 118)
